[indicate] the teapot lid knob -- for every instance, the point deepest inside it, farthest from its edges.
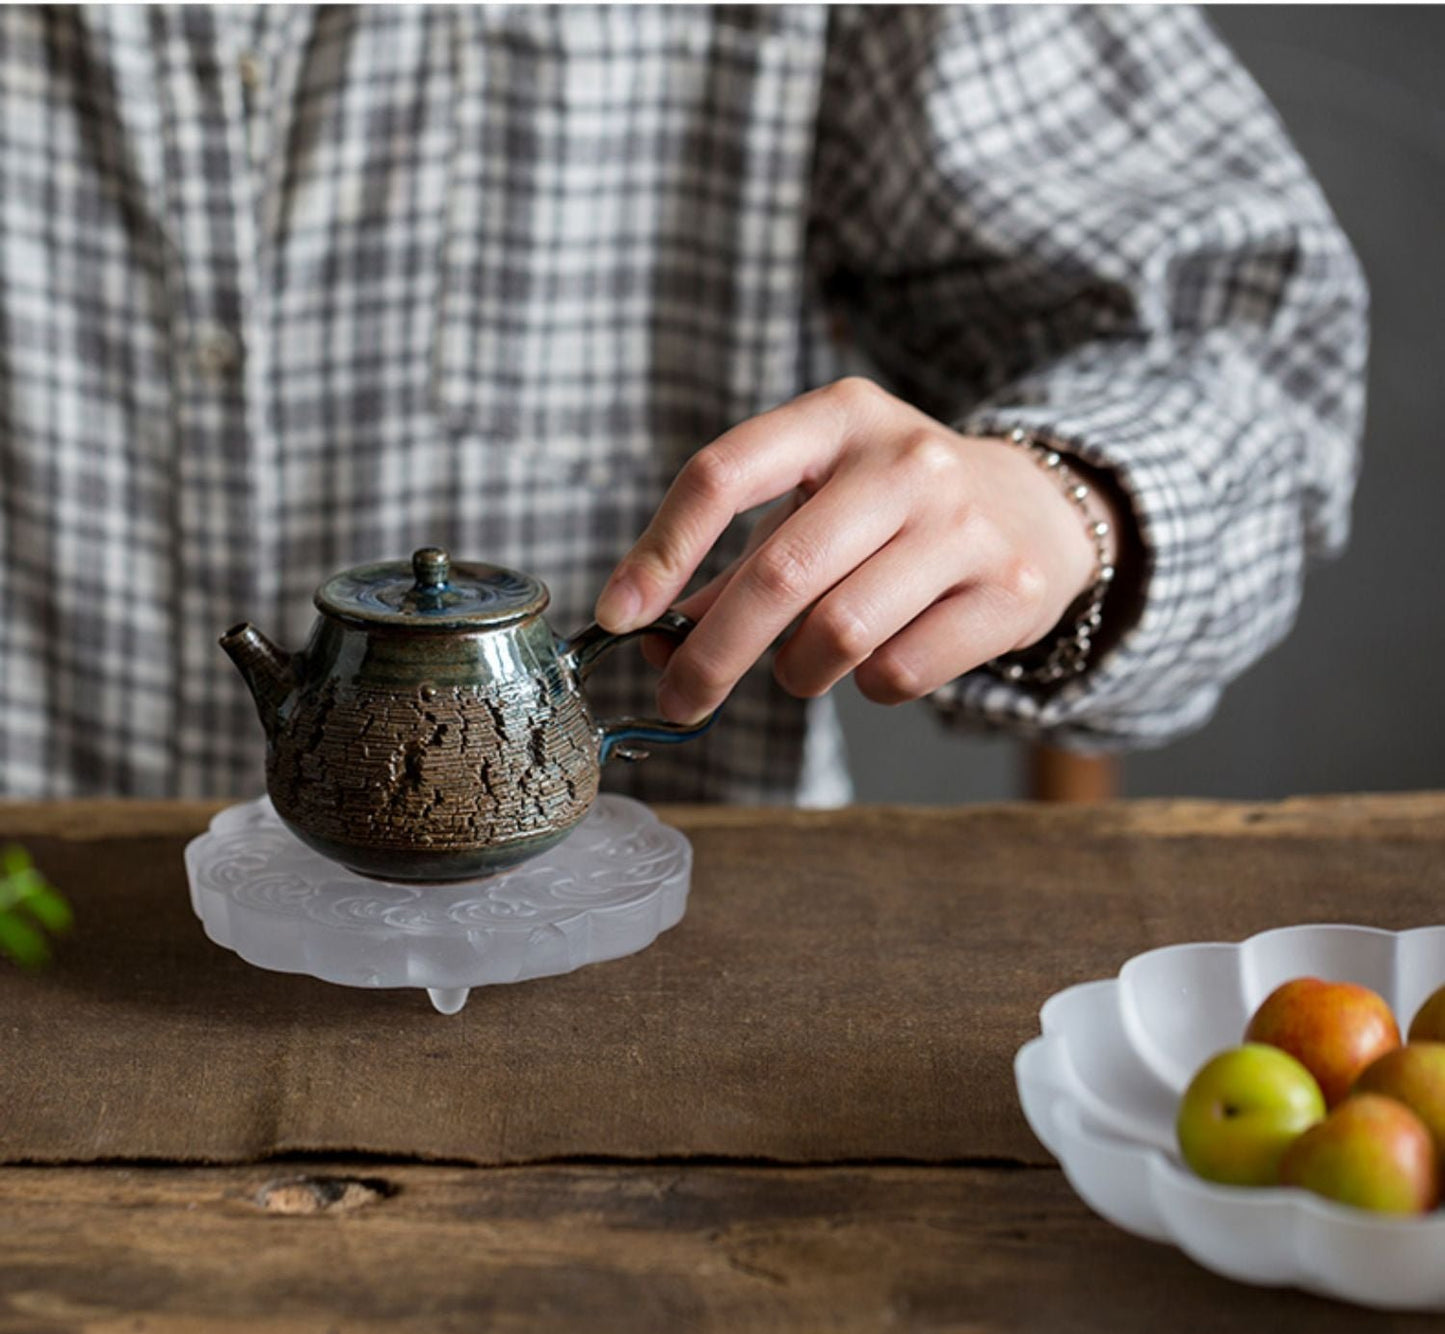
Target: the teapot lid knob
(432, 567)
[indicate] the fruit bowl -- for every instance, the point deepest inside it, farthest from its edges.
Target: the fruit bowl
(1101, 1089)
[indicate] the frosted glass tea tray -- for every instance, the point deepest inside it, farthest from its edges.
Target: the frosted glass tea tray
(609, 889)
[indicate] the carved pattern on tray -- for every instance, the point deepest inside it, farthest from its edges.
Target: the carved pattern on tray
(611, 858)
(607, 890)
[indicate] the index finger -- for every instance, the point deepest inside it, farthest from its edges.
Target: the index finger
(756, 461)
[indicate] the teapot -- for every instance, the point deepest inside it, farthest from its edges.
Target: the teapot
(434, 728)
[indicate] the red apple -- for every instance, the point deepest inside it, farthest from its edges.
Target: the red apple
(1415, 1075)
(1428, 1025)
(1242, 1110)
(1371, 1152)
(1334, 1029)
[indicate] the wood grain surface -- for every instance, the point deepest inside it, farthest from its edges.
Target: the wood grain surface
(795, 1111)
(837, 980)
(665, 1249)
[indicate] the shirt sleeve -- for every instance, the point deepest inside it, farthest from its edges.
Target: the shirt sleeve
(1090, 223)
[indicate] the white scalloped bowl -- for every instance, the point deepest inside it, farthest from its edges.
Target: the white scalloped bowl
(1101, 1089)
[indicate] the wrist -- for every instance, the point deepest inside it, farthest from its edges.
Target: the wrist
(1104, 526)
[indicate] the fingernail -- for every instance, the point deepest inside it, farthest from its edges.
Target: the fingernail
(674, 707)
(618, 606)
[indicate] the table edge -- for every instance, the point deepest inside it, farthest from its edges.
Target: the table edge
(1399, 814)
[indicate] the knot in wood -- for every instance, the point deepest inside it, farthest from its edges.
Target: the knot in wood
(303, 1195)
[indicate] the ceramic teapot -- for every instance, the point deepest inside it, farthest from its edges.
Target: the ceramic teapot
(434, 728)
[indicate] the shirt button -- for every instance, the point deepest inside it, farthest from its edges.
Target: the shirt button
(248, 66)
(217, 350)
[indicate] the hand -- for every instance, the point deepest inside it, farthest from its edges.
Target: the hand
(912, 553)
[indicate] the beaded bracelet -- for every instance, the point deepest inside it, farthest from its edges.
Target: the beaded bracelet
(1065, 654)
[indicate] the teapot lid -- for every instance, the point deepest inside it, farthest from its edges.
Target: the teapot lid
(431, 593)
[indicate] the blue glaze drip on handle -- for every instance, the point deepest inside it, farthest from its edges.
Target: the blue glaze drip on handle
(622, 732)
(581, 653)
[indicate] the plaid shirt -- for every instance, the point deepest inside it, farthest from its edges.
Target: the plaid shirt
(283, 290)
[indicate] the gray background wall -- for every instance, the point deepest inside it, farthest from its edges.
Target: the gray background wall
(1353, 700)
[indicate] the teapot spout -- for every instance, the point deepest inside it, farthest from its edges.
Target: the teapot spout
(267, 669)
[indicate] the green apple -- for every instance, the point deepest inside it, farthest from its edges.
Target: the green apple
(1428, 1025)
(1415, 1075)
(1242, 1110)
(1372, 1152)
(1334, 1029)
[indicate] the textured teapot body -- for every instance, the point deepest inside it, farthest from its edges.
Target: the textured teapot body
(456, 756)
(436, 730)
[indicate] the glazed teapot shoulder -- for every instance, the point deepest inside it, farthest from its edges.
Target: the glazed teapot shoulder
(434, 727)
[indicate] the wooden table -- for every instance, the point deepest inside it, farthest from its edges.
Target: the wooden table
(795, 1111)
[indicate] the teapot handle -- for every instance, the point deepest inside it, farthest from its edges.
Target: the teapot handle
(620, 735)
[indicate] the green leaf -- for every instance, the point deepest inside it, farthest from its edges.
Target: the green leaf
(24, 883)
(25, 894)
(52, 911)
(22, 942)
